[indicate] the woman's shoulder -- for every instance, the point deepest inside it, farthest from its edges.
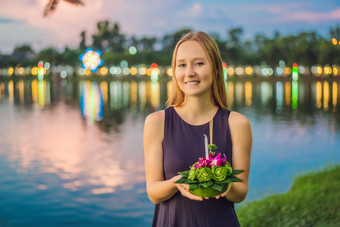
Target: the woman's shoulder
(238, 120)
(155, 119)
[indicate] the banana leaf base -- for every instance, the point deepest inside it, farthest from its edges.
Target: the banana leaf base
(208, 192)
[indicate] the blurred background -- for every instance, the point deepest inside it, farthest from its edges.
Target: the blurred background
(78, 78)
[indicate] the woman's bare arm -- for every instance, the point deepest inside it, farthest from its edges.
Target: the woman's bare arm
(242, 141)
(158, 189)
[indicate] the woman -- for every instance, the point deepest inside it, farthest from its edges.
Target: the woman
(173, 139)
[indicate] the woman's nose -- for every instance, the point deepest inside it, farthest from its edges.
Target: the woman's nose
(190, 71)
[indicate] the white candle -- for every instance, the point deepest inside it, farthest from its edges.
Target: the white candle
(206, 146)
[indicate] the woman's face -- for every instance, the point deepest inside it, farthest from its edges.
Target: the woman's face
(193, 69)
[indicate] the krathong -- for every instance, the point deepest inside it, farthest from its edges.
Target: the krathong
(211, 175)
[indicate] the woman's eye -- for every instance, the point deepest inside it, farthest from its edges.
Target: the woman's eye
(199, 63)
(181, 65)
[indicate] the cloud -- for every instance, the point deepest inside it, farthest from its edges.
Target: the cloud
(4, 20)
(150, 18)
(197, 7)
(295, 12)
(312, 17)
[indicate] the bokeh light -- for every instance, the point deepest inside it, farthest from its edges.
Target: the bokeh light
(231, 71)
(10, 71)
(126, 71)
(103, 71)
(132, 50)
(169, 72)
(133, 71)
(124, 64)
(63, 74)
(91, 59)
(142, 71)
(295, 72)
(279, 71)
(249, 70)
(334, 41)
(21, 71)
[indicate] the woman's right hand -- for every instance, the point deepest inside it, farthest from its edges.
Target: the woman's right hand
(184, 190)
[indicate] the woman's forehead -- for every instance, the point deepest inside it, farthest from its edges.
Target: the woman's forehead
(190, 50)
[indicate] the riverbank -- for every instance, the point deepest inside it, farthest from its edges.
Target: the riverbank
(313, 200)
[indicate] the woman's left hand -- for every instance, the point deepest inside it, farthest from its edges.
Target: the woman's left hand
(223, 194)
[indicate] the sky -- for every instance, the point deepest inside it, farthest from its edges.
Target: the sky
(22, 21)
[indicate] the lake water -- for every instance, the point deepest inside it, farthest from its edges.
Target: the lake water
(71, 152)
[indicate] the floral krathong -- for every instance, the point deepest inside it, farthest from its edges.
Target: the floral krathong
(210, 176)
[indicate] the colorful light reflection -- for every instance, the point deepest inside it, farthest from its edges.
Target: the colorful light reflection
(91, 102)
(91, 59)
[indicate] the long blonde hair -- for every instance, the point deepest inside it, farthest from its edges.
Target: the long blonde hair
(210, 47)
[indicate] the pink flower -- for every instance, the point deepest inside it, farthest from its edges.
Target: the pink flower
(203, 162)
(217, 161)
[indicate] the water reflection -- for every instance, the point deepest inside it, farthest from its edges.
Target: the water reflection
(248, 93)
(279, 96)
(91, 101)
(335, 94)
(295, 94)
(288, 91)
(97, 98)
(103, 154)
(325, 95)
(155, 94)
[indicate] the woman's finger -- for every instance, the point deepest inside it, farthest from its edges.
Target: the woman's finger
(187, 193)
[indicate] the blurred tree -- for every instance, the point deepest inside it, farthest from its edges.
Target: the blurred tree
(133, 41)
(271, 50)
(148, 43)
(306, 48)
(108, 38)
(335, 32)
(222, 44)
(23, 49)
(100, 40)
(49, 54)
(70, 57)
(23, 55)
(234, 46)
(82, 45)
(169, 40)
(117, 39)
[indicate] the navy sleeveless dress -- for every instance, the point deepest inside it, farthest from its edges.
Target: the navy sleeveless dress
(183, 144)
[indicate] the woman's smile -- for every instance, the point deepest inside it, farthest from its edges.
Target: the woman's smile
(192, 83)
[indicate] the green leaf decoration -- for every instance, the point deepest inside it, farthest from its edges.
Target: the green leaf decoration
(235, 172)
(212, 146)
(193, 186)
(184, 173)
(207, 184)
(217, 187)
(184, 180)
(181, 181)
(236, 179)
(226, 181)
(208, 192)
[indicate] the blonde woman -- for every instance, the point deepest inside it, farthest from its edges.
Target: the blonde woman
(173, 139)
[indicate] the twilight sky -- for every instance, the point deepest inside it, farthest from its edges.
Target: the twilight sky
(21, 21)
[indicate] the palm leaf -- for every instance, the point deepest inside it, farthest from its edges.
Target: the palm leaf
(75, 2)
(52, 5)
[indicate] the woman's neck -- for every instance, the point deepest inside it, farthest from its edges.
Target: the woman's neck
(198, 106)
(197, 110)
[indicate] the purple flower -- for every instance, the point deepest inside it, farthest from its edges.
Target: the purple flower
(217, 161)
(203, 162)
